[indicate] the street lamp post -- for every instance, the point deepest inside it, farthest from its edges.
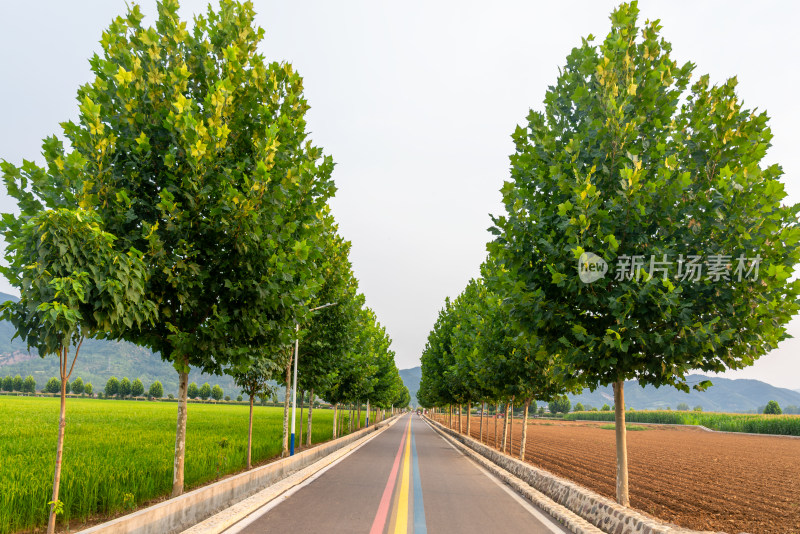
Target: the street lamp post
(294, 380)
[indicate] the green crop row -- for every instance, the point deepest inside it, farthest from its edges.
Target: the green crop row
(788, 425)
(118, 454)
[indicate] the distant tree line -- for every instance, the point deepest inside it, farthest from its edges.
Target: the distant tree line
(18, 384)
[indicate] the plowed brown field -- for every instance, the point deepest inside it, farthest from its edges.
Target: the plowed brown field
(697, 479)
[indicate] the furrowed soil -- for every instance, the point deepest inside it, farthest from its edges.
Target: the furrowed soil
(694, 478)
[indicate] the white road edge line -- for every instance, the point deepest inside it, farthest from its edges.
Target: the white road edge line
(546, 520)
(253, 517)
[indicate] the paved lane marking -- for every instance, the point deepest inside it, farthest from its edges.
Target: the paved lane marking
(401, 512)
(281, 495)
(544, 519)
(383, 508)
(420, 527)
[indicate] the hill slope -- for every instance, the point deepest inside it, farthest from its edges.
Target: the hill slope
(411, 378)
(725, 395)
(97, 362)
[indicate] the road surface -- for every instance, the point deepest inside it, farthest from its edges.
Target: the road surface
(406, 480)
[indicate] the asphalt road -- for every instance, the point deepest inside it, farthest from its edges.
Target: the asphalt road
(408, 479)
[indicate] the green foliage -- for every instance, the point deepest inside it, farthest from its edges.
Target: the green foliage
(239, 398)
(8, 383)
(757, 424)
(124, 389)
(682, 407)
(578, 407)
(205, 391)
(17, 384)
(88, 388)
(137, 388)
(605, 408)
(157, 390)
(698, 408)
(111, 443)
(559, 405)
(53, 386)
(217, 393)
(193, 392)
(640, 163)
(77, 386)
(67, 386)
(112, 387)
(29, 385)
(772, 408)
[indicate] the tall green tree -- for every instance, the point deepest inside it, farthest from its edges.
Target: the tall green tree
(77, 386)
(124, 387)
(112, 387)
(192, 149)
(29, 385)
(330, 331)
(156, 390)
(662, 180)
(137, 388)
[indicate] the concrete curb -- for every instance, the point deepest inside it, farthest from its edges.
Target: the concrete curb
(588, 511)
(224, 520)
(175, 515)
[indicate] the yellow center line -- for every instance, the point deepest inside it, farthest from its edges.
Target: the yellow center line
(401, 526)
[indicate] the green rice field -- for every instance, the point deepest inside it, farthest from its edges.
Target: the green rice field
(118, 454)
(788, 425)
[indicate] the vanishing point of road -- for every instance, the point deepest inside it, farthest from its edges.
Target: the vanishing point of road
(409, 480)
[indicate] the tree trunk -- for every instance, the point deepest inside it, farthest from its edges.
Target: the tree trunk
(622, 447)
(505, 429)
(335, 421)
(496, 416)
(451, 416)
(524, 430)
(310, 411)
(469, 411)
(62, 425)
(358, 417)
(350, 420)
(300, 424)
(250, 435)
(285, 451)
(367, 422)
(511, 431)
(180, 435)
(480, 429)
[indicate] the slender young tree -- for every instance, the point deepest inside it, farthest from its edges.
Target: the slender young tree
(253, 379)
(74, 283)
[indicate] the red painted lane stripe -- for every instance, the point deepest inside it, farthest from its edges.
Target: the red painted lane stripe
(383, 509)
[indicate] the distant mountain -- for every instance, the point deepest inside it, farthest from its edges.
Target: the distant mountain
(726, 395)
(411, 378)
(97, 362)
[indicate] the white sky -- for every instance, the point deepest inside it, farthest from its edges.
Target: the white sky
(416, 102)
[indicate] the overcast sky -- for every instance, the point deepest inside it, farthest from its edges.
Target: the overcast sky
(416, 102)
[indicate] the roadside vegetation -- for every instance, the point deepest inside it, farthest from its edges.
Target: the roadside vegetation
(119, 452)
(788, 425)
